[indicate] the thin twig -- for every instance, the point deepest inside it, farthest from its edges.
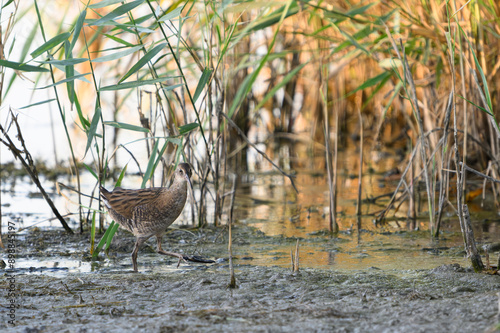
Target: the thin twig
(468, 168)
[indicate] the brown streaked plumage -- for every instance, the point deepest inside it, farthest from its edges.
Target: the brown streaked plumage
(149, 212)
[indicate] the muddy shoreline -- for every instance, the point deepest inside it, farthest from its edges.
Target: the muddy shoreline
(269, 299)
(195, 297)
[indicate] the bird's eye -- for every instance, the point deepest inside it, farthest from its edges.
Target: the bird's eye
(181, 172)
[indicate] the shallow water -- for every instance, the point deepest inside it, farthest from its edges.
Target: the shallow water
(267, 202)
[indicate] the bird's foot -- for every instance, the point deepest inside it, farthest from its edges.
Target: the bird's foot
(173, 254)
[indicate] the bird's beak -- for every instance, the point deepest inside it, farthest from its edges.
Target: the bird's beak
(190, 185)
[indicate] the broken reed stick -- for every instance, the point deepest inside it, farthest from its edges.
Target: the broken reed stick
(470, 242)
(486, 249)
(474, 171)
(295, 258)
(30, 168)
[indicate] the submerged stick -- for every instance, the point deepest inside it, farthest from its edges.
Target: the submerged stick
(30, 168)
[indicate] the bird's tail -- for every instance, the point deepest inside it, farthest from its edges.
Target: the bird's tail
(104, 196)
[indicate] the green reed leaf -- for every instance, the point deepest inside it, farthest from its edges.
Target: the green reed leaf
(143, 61)
(109, 239)
(135, 84)
(118, 11)
(105, 3)
(77, 30)
(93, 128)
(205, 77)
(118, 55)
(150, 167)
(187, 128)
(173, 14)
(38, 103)
(79, 76)
(126, 126)
(50, 44)
(22, 67)
(120, 177)
(103, 240)
(92, 172)
(66, 62)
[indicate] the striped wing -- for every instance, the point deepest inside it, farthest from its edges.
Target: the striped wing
(124, 201)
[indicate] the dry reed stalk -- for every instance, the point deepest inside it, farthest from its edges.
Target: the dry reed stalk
(442, 188)
(412, 95)
(463, 85)
(232, 279)
(360, 171)
(333, 226)
(490, 170)
(219, 158)
(412, 214)
(423, 150)
(335, 164)
(461, 206)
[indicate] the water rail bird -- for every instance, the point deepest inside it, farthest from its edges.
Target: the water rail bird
(149, 212)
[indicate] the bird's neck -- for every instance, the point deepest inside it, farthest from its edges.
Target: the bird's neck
(179, 186)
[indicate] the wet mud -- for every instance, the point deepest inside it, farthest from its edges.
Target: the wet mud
(196, 297)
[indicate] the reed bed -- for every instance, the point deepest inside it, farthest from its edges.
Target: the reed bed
(190, 79)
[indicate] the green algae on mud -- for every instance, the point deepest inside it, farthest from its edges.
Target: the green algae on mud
(402, 250)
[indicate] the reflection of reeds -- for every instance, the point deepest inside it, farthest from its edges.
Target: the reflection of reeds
(224, 66)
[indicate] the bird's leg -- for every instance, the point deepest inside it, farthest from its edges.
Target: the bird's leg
(172, 254)
(139, 241)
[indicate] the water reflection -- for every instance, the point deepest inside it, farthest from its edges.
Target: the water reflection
(266, 200)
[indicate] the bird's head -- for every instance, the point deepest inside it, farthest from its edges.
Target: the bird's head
(184, 173)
